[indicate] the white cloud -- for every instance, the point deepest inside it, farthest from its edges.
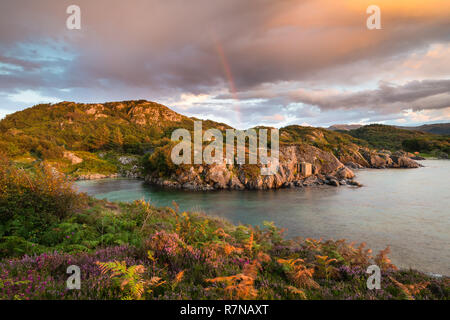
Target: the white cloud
(187, 100)
(31, 97)
(3, 113)
(424, 116)
(275, 118)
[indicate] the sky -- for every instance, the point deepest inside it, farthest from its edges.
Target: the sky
(242, 62)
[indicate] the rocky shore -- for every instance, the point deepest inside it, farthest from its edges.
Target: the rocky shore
(327, 169)
(97, 176)
(128, 167)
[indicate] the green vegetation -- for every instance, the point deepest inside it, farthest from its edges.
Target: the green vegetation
(97, 133)
(391, 138)
(138, 251)
(437, 128)
(342, 145)
(321, 138)
(82, 139)
(44, 131)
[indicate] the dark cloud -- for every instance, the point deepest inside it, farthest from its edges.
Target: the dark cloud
(415, 95)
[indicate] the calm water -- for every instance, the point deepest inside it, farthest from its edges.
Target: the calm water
(408, 209)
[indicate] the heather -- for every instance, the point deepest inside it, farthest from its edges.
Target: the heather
(139, 251)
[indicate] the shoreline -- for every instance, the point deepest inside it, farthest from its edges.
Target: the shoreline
(99, 176)
(358, 199)
(287, 238)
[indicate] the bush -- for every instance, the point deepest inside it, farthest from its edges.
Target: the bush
(31, 201)
(160, 161)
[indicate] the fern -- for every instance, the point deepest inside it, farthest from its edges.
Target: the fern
(249, 244)
(130, 279)
(383, 261)
(296, 291)
(178, 278)
(410, 290)
(301, 275)
(240, 286)
(324, 267)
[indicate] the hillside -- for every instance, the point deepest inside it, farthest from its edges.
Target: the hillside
(392, 138)
(437, 128)
(41, 129)
(84, 138)
(344, 127)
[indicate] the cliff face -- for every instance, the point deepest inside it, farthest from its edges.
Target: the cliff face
(326, 169)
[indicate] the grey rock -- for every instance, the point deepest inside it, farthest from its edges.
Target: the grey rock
(333, 182)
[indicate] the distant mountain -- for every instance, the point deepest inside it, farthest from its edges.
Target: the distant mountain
(392, 138)
(344, 127)
(438, 128)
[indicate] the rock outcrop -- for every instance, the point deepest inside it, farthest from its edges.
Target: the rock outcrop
(327, 169)
(238, 177)
(382, 160)
(72, 157)
(96, 176)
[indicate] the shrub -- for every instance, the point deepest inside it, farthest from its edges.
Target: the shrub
(161, 161)
(30, 201)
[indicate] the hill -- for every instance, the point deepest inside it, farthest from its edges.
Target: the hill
(41, 129)
(437, 128)
(344, 127)
(392, 138)
(87, 138)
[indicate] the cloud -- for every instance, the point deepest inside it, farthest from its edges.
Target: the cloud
(415, 95)
(31, 97)
(425, 116)
(3, 113)
(232, 60)
(275, 118)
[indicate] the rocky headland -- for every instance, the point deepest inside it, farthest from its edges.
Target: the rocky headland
(327, 169)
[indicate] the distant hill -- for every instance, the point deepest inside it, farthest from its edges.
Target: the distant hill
(344, 127)
(438, 128)
(393, 138)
